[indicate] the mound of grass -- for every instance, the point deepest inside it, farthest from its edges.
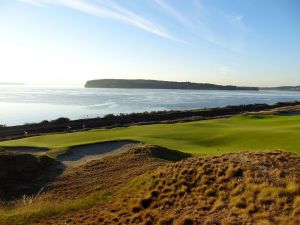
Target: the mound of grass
(160, 152)
(89, 185)
(240, 188)
(21, 174)
(198, 138)
(235, 188)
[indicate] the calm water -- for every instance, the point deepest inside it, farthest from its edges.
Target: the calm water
(25, 104)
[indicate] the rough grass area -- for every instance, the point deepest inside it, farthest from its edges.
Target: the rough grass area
(238, 188)
(31, 210)
(89, 185)
(111, 173)
(257, 132)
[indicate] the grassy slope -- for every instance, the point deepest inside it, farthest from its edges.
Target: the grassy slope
(31, 210)
(203, 137)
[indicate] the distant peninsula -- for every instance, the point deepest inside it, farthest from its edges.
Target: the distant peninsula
(284, 88)
(158, 84)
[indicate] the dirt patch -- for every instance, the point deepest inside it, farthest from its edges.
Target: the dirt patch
(79, 155)
(237, 188)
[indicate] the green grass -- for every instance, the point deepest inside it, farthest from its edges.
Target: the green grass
(199, 138)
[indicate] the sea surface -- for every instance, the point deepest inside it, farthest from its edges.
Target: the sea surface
(22, 104)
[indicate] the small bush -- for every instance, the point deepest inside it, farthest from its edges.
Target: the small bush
(136, 209)
(154, 194)
(233, 172)
(61, 120)
(210, 192)
(109, 116)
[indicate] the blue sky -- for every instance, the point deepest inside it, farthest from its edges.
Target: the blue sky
(239, 42)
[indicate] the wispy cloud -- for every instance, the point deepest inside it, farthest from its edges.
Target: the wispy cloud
(214, 26)
(174, 13)
(220, 28)
(196, 26)
(201, 27)
(111, 10)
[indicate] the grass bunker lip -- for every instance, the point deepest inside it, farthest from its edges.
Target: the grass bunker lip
(25, 149)
(81, 154)
(24, 174)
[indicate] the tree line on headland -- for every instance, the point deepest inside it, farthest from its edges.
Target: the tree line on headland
(158, 84)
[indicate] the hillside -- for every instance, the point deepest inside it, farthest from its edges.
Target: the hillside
(237, 188)
(284, 88)
(77, 188)
(158, 84)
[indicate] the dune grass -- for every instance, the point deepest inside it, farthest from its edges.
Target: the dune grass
(31, 211)
(229, 189)
(237, 133)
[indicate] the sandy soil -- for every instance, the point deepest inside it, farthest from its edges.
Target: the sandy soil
(82, 154)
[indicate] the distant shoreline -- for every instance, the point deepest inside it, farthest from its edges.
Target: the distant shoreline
(159, 84)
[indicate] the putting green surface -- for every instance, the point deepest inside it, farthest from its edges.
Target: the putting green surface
(237, 133)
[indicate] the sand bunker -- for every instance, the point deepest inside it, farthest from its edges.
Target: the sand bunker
(82, 154)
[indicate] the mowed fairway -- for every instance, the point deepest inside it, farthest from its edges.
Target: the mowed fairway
(237, 133)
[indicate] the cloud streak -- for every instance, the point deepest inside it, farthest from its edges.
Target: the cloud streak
(199, 28)
(202, 22)
(174, 13)
(111, 10)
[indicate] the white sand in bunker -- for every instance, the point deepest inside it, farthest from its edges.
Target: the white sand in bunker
(82, 154)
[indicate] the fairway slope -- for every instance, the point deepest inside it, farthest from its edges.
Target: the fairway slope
(209, 137)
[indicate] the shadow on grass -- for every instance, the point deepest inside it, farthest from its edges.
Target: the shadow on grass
(25, 174)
